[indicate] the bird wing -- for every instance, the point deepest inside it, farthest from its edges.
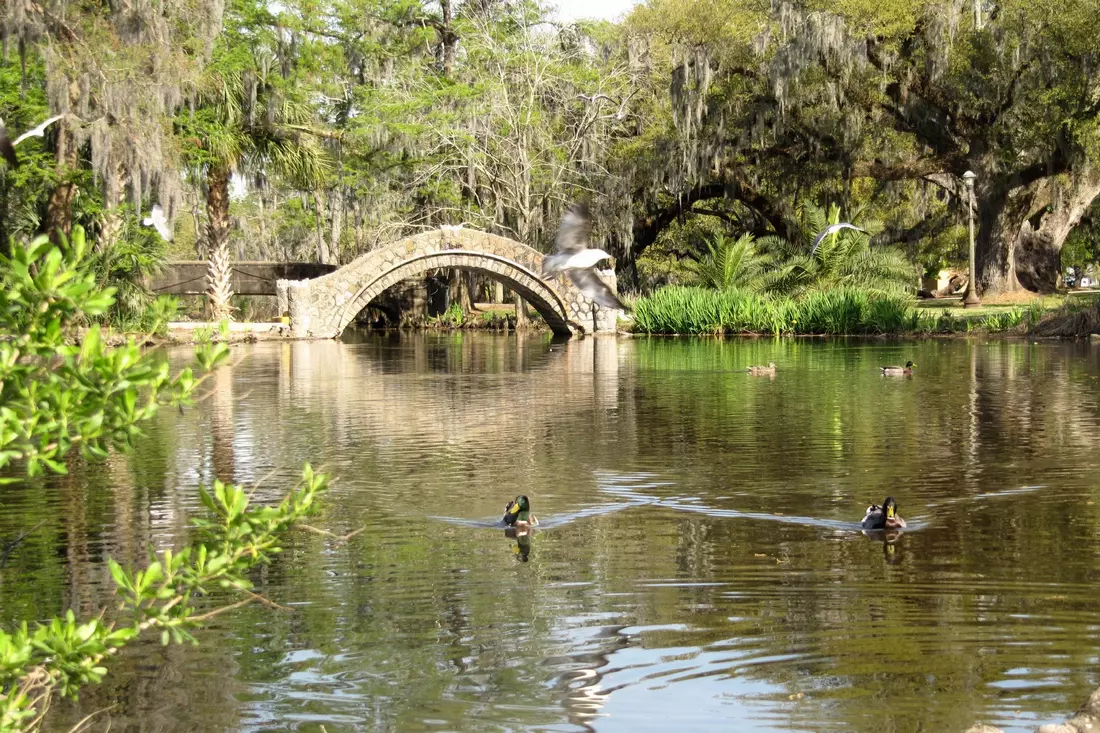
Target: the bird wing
(6, 148)
(596, 289)
(38, 131)
(575, 229)
(163, 229)
(832, 229)
(157, 219)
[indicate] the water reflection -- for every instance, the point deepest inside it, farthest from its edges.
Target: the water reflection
(522, 537)
(700, 561)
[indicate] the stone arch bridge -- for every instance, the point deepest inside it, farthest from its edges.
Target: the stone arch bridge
(323, 307)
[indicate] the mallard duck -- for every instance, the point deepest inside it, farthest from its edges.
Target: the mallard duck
(518, 513)
(897, 371)
(759, 370)
(883, 517)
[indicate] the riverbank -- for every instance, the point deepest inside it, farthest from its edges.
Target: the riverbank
(182, 333)
(685, 311)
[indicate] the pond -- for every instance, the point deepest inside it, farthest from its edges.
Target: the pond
(699, 564)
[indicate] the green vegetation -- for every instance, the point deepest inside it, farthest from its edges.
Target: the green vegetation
(695, 127)
(731, 263)
(57, 398)
(843, 259)
(842, 310)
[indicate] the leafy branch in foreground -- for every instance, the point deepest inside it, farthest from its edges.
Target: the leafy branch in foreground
(64, 655)
(55, 395)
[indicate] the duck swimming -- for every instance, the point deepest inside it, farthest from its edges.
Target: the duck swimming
(518, 513)
(899, 371)
(762, 370)
(883, 517)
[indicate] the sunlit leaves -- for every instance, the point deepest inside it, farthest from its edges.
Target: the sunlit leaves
(55, 395)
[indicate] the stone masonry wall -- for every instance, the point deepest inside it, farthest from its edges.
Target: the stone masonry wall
(324, 306)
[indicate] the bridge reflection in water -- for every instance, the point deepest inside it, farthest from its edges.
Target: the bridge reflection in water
(524, 377)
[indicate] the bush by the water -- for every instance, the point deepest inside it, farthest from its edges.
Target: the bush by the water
(679, 309)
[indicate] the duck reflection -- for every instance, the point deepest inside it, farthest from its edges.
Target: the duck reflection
(522, 536)
(888, 538)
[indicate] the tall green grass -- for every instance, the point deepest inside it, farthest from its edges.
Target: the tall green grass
(843, 310)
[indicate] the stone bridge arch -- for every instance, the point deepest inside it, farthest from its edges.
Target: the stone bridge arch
(323, 307)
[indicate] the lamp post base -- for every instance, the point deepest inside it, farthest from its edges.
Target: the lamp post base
(971, 300)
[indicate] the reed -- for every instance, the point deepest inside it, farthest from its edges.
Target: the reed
(844, 310)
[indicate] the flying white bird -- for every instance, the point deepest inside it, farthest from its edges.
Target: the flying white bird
(7, 145)
(577, 260)
(37, 131)
(157, 219)
(833, 230)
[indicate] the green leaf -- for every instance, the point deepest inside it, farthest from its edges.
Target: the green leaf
(90, 346)
(119, 575)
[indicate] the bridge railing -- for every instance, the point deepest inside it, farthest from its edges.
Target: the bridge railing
(188, 277)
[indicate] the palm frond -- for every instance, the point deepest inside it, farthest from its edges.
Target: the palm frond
(731, 263)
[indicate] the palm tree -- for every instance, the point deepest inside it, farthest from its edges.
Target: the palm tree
(731, 263)
(244, 124)
(845, 258)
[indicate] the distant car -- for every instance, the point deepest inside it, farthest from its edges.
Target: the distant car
(1088, 282)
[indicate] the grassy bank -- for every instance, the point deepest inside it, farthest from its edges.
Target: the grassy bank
(843, 311)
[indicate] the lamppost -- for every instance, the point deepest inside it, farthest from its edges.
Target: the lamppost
(971, 300)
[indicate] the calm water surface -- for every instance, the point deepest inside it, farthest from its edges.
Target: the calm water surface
(699, 565)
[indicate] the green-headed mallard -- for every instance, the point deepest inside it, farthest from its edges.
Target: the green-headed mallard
(763, 371)
(899, 371)
(518, 513)
(883, 517)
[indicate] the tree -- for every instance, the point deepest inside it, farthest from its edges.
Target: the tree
(248, 119)
(766, 104)
(115, 72)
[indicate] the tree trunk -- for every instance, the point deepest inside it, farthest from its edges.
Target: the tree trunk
(1057, 209)
(448, 38)
(498, 292)
(323, 255)
(522, 321)
(200, 238)
(110, 224)
(460, 291)
(1000, 212)
(1021, 231)
(5, 245)
(360, 234)
(337, 209)
(59, 209)
(219, 270)
(264, 252)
